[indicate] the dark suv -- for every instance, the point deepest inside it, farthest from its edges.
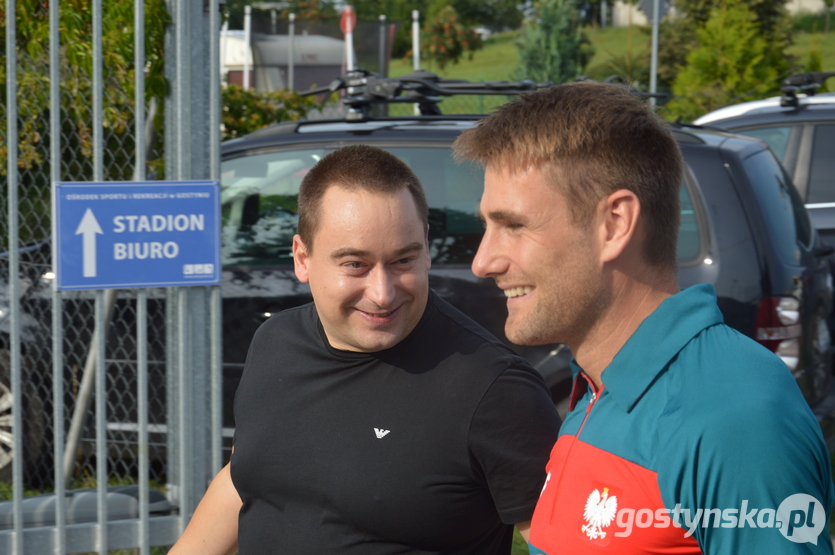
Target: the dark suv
(799, 126)
(743, 229)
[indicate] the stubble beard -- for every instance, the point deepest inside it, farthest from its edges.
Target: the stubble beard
(565, 313)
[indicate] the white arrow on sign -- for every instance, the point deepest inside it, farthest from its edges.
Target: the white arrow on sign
(89, 227)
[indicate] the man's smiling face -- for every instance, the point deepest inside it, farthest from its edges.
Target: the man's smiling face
(547, 264)
(369, 269)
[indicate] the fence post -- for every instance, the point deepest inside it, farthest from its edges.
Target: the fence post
(57, 302)
(291, 54)
(15, 378)
(189, 155)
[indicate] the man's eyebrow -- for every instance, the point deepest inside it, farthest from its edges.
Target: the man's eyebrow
(500, 216)
(347, 252)
(417, 246)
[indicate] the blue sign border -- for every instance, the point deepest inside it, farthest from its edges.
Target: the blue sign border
(60, 231)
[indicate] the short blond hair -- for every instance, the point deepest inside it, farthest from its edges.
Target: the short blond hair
(592, 139)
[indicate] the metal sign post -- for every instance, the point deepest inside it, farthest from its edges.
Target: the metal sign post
(347, 23)
(653, 72)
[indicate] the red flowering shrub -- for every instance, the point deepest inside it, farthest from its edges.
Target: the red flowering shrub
(445, 40)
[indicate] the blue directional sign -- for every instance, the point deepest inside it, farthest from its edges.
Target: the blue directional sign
(123, 235)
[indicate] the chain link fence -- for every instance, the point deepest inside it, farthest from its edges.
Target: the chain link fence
(35, 229)
(102, 393)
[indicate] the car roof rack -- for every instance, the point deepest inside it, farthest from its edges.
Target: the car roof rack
(364, 89)
(807, 83)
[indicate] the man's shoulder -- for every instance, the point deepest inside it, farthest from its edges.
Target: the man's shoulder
(464, 334)
(455, 320)
(723, 381)
(299, 320)
(721, 358)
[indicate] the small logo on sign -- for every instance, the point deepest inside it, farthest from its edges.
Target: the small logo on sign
(381, 433)
(198, 269)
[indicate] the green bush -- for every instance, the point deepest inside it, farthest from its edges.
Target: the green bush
(552, 46)
(248, 111)
(809, 22)
(731, 65)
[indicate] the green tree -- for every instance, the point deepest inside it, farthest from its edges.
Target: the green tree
(244, 112)
(77, 68)
(552, 46)
(305, 10)
(814, 62)
(678, 37)
(496, 15)
(394, 10)
(248, 111)
(397, 11)
(493, 14)
(445, 40)
(76, 63)
(730, 65)
(632, 64)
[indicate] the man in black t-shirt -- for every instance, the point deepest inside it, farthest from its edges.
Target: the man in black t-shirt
(378, 419)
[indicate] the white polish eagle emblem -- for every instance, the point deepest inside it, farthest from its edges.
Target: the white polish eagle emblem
(599, 513)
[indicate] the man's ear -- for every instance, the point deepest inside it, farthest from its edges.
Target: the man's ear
(618, 216)
(301, 259)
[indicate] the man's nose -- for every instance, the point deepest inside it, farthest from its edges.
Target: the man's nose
(381, 287)
(487, 262)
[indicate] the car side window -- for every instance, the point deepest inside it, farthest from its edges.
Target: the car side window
(777, 138)
(822, 169)
(259, 204)
(784, 215)
(689, 234)
(453, 192)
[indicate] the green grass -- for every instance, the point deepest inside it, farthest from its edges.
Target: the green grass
(804, 42)
(520, 546)
(498, 59)
(495, 62)
(611, 42)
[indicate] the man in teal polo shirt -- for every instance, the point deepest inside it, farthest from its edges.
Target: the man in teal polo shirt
(683, 435)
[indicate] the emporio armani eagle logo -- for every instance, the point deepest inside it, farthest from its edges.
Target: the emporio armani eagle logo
(381, 433)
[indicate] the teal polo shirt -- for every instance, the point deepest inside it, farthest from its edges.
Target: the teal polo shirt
(698, 441)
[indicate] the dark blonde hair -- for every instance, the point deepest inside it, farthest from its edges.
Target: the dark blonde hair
(590, 139)
(355, 167)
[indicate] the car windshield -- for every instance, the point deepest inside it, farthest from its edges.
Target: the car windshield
(777, 138)
(260, 204)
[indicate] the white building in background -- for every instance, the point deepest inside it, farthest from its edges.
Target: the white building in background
(622, 11)
(317, 60)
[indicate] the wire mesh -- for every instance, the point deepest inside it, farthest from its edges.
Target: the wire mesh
(34, 212)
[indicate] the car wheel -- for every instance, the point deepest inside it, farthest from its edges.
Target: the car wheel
(6, 438)
(35, 423)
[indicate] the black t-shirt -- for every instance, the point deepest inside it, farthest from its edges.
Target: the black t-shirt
(437, 445)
